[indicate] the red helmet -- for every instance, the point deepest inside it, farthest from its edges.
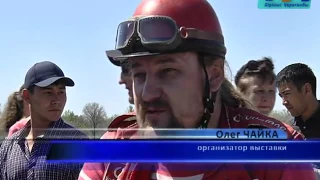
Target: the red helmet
(197, 16)
(188, 13)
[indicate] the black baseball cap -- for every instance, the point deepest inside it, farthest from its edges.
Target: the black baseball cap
(44, 74)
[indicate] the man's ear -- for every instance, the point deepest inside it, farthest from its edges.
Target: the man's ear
(216, 74)
(307, 89)
(26, 95)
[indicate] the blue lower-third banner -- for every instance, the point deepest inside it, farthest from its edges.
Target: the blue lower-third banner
(183, 151)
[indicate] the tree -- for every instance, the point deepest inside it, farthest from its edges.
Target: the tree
(75, 120)
(129, 109)
(94, 115)
(70, 117)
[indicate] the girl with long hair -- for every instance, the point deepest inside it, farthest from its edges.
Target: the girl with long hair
(16, 112)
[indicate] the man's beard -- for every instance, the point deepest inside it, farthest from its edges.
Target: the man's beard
(172, 122)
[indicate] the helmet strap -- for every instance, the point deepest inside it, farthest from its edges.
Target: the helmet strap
(208, 99)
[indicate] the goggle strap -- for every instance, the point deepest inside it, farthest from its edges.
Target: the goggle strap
(193, 33)
(208, 102)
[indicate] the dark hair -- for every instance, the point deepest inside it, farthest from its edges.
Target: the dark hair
(298, 74)
(13, 110)
(31, 89)
(263, 69)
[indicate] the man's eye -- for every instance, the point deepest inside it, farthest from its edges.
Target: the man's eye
(167, 71)
(139, 76)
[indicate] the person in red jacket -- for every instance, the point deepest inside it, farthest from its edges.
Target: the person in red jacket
(175, 51)
(125, 79)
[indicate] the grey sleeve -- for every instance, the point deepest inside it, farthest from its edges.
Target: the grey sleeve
(4, 150)
(76, 170)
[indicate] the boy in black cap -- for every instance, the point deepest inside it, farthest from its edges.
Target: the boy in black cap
(297, 87)
(23, 155)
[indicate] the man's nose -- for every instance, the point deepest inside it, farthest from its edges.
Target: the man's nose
(264, 97)
(151, 89)
(56, 98)
(267, 96)
(284, 102)
(121, 80)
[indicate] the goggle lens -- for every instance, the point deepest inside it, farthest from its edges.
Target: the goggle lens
(156, 30)
(124, 33)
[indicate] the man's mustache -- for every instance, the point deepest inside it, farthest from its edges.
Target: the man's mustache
(155, 104)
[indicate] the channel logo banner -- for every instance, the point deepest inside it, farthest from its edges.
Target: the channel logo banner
(284, 4)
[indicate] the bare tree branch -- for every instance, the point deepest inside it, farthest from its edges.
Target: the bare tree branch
(95, 115)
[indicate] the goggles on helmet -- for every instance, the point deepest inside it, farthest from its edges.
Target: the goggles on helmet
(161, 34)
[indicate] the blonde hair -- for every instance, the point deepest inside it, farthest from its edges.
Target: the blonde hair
(14, 110)
(232, 97)
(262, 69)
